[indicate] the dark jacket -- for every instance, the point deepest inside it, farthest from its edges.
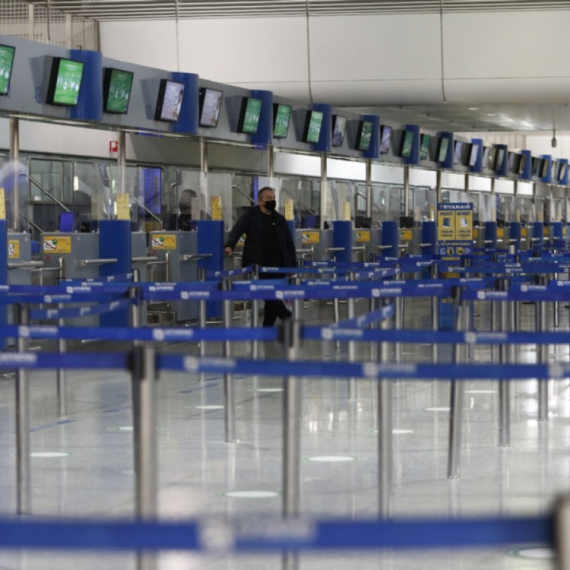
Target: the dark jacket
(251, 225)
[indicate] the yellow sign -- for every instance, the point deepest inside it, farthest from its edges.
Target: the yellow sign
(464, 225)
(289, 210)
(445, 226)
(163, 241)
(57, 244)
(546, 232)
(347, 212)
(475, 234)
(311, 237)
(3, 206)
(454, 226)
(500, 233)
(123, 206)
(362, 236)
(406, 235)
(523, 232)
(216, 203)
(14, 249)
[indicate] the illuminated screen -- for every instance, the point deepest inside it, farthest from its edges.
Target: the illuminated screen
(473, 154)
(282, 115)
(486, 153)
(117, 86)
(210, 105)
(249, 115)
(169, 100)
(458, 150)
(6, 63)
(522, 164)
(442, 151)
(561, 170)
(385, 139)
(313, 127)
(407, 142)
(365, 135)
(338, 130)
(65, 82)
(544, 168)
(491, 159)
(424, 147)
(500, 158)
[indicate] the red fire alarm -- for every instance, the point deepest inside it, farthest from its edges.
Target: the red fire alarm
(113, 146)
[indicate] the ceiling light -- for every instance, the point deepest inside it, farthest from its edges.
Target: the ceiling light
(491, 114)
(473, 108)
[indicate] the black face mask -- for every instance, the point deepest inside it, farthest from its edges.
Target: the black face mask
(270, 205)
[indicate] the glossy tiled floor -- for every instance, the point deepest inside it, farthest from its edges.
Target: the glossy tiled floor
(197, 468)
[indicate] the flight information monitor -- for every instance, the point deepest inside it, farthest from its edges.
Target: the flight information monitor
(424, 147)
(6, 63)
(442, 148)
(313, 125)
(282, 118)
(169, 101)
(249, 115)
(210, 105)
(338, 130)
(65, 82)
(364, 136)
(117, 84)
(385, 139)
(406, 145)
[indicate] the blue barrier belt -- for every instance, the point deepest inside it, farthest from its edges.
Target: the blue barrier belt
(347, 333)
(271, 534)
(54, 360)
(230, 273)
(109, 279)
(170, 334)
(365, 320)
(60, 298)
(65, 289)
(547, 295)
(406, 371)
(74, 312)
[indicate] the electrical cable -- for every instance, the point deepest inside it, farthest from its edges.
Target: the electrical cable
(441, 43)
(308, 50)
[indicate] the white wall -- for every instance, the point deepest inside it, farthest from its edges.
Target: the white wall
(489, 57)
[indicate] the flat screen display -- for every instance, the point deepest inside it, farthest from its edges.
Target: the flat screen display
(249, 115)
(522, 164)
(424, 147)
(364, 136)
(500, 158)
(536, 162)
(554, 168)
(210, 106)
(65, 82)
(281, 119)
(544, 168)
(442, 149)
(491, 159)
(6, 64)
(313, 125)
(407, 143)
(457, 152)
(473, 154)
(385, 138)
(511, 163)
(117, 85)
(561, 171)
(485, 158)
(169, 101)
(338, 130)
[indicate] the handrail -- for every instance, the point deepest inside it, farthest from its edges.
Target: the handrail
(148, 211)
(244, 194)
(48, 193)
(86, 262)
(195, 256)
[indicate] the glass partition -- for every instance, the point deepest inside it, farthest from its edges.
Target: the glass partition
(305, 193)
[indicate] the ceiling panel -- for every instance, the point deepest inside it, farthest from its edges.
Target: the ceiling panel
(153, 9)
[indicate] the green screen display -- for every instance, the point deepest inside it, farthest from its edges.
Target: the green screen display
(314, 128)
(365, 135)
(6, 62)
(67, 82)
(118, 92)
(407, 144)
(444, 145)
(251, 116)
(282, 119)
(424, 148)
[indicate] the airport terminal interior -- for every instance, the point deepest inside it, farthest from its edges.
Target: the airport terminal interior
(419, 153)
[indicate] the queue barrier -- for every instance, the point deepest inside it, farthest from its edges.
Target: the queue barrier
(265, 534)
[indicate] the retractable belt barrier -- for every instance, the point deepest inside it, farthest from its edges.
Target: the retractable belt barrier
(272, 534)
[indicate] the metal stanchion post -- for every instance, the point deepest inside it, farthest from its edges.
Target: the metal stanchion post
(336, 304)
(504, 384)
(255, 316)
(23, 448)
(457, 390)
(145, 442)
(398, 325)
(61, 374)
(434, 315)
(352, 387)
(202, 318)
(229, 388)
(384, 436)
(292, 413)
(542, 351)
